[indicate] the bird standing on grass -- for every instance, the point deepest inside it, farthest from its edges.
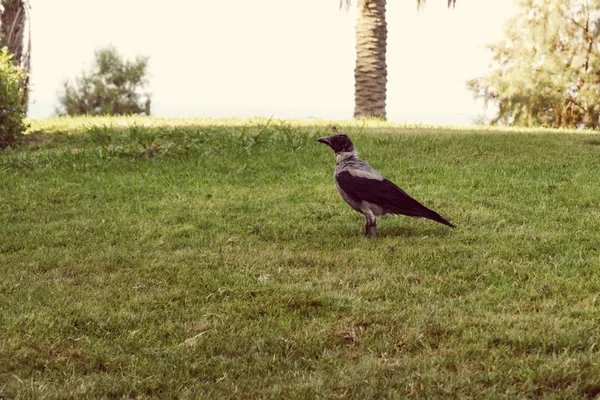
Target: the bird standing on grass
(369, 193)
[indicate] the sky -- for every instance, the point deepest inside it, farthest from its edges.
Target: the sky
(280, 58)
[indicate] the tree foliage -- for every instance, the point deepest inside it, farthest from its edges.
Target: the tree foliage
(114, 86)
(547, 69)
(12, 114)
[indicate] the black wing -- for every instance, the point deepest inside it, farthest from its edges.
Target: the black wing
(385, 194)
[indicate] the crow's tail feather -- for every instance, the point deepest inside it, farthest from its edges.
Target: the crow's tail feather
(438, 218)
(420, 211)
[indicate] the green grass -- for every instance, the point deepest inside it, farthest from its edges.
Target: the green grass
(214, 258)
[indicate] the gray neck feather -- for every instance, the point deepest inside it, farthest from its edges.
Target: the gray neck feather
(346, 156)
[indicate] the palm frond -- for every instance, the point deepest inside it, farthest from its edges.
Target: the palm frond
(421, 4)
(345, 3)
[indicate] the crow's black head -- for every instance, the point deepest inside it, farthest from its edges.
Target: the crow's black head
(340, 143)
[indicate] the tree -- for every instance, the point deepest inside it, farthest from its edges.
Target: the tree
(12, 115)
(370, 75)
(13, 19)
(113, 87)
(547, 69)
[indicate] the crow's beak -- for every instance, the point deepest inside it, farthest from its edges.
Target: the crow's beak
(324, 140)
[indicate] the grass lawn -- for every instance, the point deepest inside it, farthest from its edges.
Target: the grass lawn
(214, 258)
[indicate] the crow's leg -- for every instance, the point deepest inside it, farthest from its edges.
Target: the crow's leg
(370, 225)
(367, 226)
(374, 229)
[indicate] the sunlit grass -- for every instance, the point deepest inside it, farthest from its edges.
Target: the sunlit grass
(77, 124)
(213, 258)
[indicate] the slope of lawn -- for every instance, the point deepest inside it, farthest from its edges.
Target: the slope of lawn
(214, 258)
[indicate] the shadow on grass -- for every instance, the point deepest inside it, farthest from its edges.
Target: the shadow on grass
(593, 142)
(402, 231)
(411, 231)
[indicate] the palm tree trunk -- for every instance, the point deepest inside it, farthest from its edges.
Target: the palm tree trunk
(12, 27)
(371, 70)
(12, 35)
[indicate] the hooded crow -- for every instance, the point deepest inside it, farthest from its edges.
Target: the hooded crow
(366, 191)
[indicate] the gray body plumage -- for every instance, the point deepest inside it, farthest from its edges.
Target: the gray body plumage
(348, 162)
(367, 191)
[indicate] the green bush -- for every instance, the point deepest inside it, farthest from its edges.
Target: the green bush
(114, 86)
(12, 115)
